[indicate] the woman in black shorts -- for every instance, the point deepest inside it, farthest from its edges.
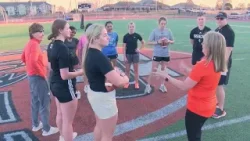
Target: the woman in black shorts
(103, 79)
(63, 79)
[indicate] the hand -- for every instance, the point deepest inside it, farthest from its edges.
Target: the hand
(137, 50)
(184, 67)
(160, 73)
(160, 41)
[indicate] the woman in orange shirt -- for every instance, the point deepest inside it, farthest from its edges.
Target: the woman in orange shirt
(202, 83)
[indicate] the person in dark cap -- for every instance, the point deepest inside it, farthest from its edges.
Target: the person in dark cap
(225, 29)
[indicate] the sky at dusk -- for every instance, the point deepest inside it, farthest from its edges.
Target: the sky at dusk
(66, 3)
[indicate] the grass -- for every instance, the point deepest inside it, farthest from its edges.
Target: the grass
(14, 37)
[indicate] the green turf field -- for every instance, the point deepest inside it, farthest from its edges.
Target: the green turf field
(14, 37)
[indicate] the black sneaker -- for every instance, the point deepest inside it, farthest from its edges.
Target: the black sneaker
(219, 113)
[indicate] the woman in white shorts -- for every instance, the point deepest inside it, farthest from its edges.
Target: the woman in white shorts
(103, 79)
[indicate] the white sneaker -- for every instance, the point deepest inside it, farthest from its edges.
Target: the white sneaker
(40, 126)
(78, 94)
(148, 89)
(163, 88)
(53, 130)
(86, 88)
(62, 139)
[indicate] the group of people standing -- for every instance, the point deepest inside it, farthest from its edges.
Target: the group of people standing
(94, 57)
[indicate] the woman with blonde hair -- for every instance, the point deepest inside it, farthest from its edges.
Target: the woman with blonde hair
(103, 79)
(201, 84)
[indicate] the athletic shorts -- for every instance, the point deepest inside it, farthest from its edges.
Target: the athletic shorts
(160, 59)
(224, 78)
(196, 56)
(103, 103)
(111, 57)
(64, 91)
(133, 58)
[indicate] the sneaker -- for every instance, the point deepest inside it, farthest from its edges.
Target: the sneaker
(86, 87)
(53, 130)
(40, 126)
(137, 86)
(148, 89)
(219, 113)
(62, 139)
(126, 86)
(78, 94)
(163, 88)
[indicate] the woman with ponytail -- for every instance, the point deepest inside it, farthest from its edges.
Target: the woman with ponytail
(63, 80)
(103, 79)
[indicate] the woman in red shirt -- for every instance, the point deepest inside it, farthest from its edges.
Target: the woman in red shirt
(201, 84)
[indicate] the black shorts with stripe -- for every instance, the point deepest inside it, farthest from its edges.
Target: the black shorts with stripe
(161, 59)
(64, 91)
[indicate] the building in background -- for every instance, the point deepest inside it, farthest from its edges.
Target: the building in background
(27, 8)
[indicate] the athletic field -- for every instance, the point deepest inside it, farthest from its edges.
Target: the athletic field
(153, 119)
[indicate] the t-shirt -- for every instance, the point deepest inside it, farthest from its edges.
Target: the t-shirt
(34, 59)
(110, 49)
(197, 36)
(81, 44)
(96, 67)
(60, 58)
(229, 35)
(49, 49)
(202, 97)
(72, 45)
(158, 34)
(131, 42)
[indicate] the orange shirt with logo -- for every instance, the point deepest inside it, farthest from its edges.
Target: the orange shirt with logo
(202, 97)
(34, 59)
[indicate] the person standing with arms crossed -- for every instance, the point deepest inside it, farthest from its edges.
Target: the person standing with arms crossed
(226, 30)
(196, 38)
(160, 38)
(131, 52)
(103, 80)
(110, 50)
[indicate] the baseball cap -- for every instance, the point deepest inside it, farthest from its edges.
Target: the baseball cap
(221, 15)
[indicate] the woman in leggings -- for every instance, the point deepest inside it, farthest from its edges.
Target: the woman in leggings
(201, 84)
(103, 79)
(63, 80)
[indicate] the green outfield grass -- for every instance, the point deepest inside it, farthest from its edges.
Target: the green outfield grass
(14, 37)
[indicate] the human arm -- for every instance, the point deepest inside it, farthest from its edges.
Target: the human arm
(64, 64)
(142, 42)
(171, 38)
(152, 39)
(113, 76)
(124, 48)
(230, 38)
(191, 36)
(194, 77)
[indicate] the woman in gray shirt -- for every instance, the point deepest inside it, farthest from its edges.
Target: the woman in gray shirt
(160, 39)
